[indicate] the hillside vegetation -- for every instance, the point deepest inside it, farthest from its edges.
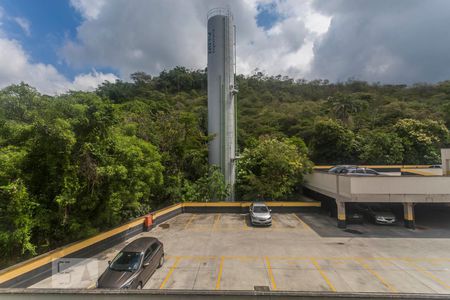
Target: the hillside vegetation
(76, 164)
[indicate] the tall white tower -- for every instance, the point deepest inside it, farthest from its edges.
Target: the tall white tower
(221, 93)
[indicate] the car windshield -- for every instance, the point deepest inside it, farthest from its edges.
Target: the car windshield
(260, 209)
(126, 261)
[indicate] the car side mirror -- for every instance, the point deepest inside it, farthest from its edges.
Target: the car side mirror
(270, 210)
(146, 264)
(109, 262)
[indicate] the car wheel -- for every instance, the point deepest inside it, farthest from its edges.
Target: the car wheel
(139, 287)
(161, 261)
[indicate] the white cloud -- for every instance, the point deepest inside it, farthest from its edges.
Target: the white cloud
(90, 9)
(402, 41)
(24, 24)
(17, 67)
(152, 35)
(90, 81)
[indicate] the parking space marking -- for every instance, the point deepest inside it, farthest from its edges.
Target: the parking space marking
(376, 275)
(219, 276)
(270, 273)
(197, 257)
(274, 223)
(305, 226)
(216, 225)
(322, 273)
(245, 227)
(190, 221)
(429, 274)
(216, 221)
(172, 268)
(91, 286)
(216, 274)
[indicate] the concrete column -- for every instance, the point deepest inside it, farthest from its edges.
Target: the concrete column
(445, 156)
(409, 215)
(341, 218)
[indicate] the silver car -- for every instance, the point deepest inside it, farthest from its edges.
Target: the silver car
(353, 170)
(379, 215)
(260, 214)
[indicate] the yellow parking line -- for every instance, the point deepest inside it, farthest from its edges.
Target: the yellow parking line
(175, 264)
(378, 276)
(306, 226)
(237, 257)
(219, 276)
(269, 271)
(322, 273)
(91, 286)
(216, 221)
(189, 222)
(198, 258)
(245, 227)
(429, 274)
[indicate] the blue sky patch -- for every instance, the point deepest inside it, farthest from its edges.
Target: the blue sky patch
(52, 22)
(268, 15)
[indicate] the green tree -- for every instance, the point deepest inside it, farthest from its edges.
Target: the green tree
(421, 140)
(271, 168)
(380, 147)
(332, 143)
(16, 207)
(209, 187)
(344, 106)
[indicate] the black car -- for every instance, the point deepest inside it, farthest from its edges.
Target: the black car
(134, 265)
(354, 216)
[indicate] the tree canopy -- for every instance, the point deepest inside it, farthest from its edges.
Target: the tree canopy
(74, 164)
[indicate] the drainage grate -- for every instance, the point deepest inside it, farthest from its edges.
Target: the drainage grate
(164, 226)
(262, 288)
(353, 231)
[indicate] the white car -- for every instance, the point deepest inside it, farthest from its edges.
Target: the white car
(260, 214)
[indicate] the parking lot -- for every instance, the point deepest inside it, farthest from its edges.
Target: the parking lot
(432, 221)
(223, 252)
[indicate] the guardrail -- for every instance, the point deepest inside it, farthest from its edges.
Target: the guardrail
(37, 294)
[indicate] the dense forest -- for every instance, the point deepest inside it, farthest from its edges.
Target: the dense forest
(75, 164)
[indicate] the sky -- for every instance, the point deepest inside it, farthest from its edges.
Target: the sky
(61, 45)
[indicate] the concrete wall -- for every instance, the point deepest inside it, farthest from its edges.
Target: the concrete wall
(37, 294)
(421, 171)
(426, 189)
(323, 181)
(445, 156)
